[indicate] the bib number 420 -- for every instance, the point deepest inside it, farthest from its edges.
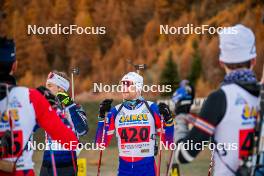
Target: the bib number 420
(134, 134)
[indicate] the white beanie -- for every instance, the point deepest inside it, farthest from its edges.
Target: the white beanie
(237, 44)
(135, 78)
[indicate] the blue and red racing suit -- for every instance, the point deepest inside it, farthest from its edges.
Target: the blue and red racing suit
(73, 117)
(136, 129)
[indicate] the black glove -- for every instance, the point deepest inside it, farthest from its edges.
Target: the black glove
(49, 96)
(164, 110)
(184, 103)
(64, 98)
(105, 106)
(183, 106)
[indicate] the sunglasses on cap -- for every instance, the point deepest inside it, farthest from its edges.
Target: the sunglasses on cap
(126, 83)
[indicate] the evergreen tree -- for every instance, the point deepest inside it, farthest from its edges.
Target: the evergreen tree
(196, 67)
(170, 75)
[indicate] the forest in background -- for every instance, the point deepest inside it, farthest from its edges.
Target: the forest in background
(132, 32)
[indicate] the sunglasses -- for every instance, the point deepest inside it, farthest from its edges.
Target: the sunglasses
(126, 83)
(51, 75)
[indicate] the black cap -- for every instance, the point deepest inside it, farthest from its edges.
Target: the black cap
(7, 50)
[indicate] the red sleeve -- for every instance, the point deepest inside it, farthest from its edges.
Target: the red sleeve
(110, 129)
(158, 124)
(47, 119)
(106, 131)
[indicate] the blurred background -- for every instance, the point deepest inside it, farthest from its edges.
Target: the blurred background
(132, 32)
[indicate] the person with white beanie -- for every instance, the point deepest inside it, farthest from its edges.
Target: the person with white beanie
(136, 122)
(228, 116)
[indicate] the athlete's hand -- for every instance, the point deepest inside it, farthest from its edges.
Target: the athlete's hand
(49, 96)
(64, 98)
(183, 98)
(104, 107)
(164, 110)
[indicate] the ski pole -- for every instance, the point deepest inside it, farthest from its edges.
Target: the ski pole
(53, 162)
(72, 152)
(170, 163)
(101, 151)
(102, 141)
(211, 164)
(137, 67)
(258, 144)
(172, 168)
(195, 121)
(169, 166)
(75, 71)
(140, 67)
(160, 149)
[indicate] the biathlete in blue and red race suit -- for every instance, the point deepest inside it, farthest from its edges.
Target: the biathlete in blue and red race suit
(136, 122)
